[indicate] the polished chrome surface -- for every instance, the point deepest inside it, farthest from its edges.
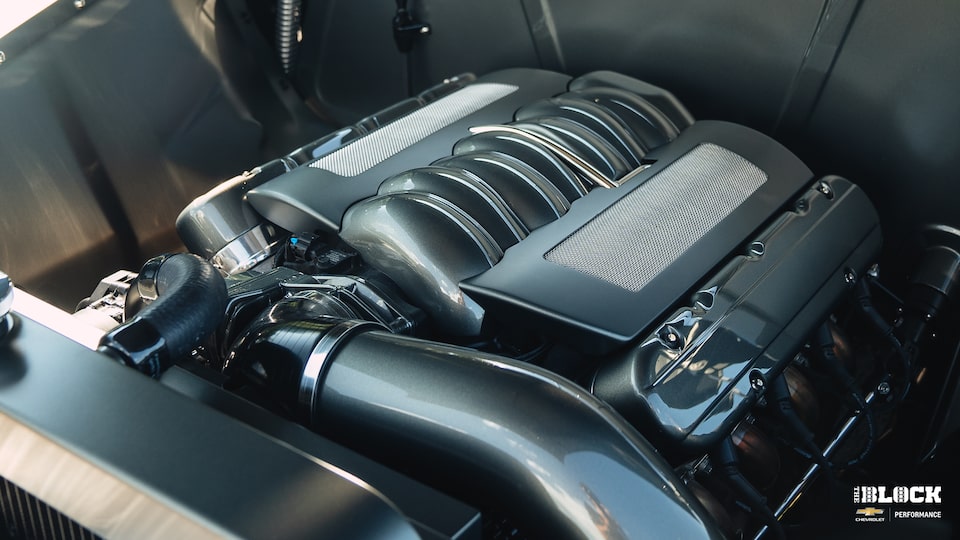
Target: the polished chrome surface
(212, 221)
(592, 116)
(581, 141)
(553, 457)
(648, 123)
(582, 166)
(427, 247)
(248, 250)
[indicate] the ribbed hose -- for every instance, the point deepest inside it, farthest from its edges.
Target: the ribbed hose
(191, 300)
(287, 28)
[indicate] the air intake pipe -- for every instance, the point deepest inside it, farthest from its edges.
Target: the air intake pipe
(498, 433)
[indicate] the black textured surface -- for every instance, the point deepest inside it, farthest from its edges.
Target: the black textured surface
(192, 299)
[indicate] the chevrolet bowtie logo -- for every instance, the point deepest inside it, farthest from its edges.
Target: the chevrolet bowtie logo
(869, 511)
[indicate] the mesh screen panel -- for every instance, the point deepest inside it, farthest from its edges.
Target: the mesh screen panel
(363, 154)
(639, 236)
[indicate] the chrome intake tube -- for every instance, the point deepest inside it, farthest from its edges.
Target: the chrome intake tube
(501, 434)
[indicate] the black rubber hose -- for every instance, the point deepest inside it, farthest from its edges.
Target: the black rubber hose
(725, 460)
(885, 329)
(835, 367)
(798, 431)
(191, 297)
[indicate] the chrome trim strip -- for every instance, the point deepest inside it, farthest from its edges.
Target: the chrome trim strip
(247, 250)
(582, 166)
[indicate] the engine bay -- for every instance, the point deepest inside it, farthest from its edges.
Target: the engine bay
(544, 305)
(498, 232)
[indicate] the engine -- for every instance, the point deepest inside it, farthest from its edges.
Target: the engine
(562, 299)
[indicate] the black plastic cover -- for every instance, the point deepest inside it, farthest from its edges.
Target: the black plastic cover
(689, 381)
(309, 198)
(596, 315)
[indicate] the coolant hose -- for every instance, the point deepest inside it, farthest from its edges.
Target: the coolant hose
(190, 300)
(498, 433)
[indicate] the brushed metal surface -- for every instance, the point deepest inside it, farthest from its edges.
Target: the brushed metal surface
(633, 241)
(366, 152)
(97, 500)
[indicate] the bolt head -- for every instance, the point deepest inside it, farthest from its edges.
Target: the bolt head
(79, 4)
(825, 188)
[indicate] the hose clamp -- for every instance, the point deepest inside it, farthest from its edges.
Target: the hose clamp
(320, 358)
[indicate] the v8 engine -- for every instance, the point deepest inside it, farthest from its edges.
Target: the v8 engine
(562, 300)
